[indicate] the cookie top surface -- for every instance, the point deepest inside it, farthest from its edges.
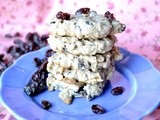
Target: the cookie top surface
(85, 24)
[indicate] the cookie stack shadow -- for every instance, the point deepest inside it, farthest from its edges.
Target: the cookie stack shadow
(85, 53)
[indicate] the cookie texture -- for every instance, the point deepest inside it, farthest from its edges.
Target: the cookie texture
(85, 53)
(90, 25)
(81, 46)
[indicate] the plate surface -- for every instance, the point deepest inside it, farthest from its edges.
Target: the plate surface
(135, 73)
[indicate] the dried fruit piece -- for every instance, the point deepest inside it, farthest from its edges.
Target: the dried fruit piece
(17, 34)
(45, 104)
(63, 16)
(49, 53)
(8, 35)
(97, 109)
(117, 90)
(82, 11)
(1, 57)
(109, 15)
(36, 77)
(43, 66)
(37, 62)
(34, 37)
(18, 42)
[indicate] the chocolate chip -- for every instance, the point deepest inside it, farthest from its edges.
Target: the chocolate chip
(97, 109)
(117, 90)
(82, 11)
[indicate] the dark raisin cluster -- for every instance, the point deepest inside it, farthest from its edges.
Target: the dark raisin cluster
(37, 83)
(63, 16)
(33, 42)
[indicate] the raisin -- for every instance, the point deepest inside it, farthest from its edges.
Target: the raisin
(37, 62)
(82, 11)
(43, 41)
(1, 57)
(109, 15)
(117, 90)
(9, 49)
(17, 34)
(49, 53)
(63, 16)
(36, 77)
(33, 37)
(32, 46)
(25, 47)
(43, 66)
(8, 35)
(45, 104)
(44, 37)
(37, 83)
(97, 109)
(18, 42)
(16, 52)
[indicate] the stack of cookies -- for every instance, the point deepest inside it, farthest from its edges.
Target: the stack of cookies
(85, 53)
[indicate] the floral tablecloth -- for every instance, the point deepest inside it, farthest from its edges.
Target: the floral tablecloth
(142, 18)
